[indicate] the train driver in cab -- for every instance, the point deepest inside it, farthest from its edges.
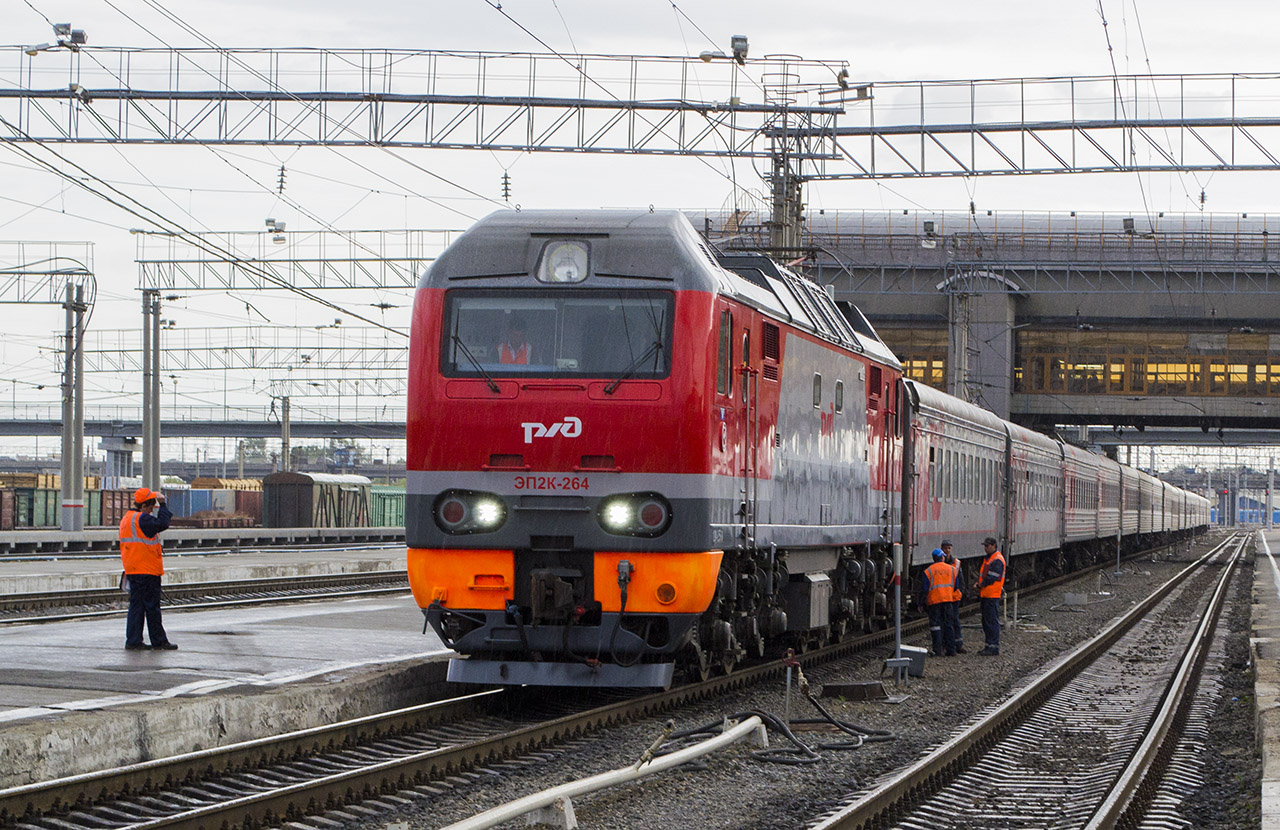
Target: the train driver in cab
(515, 348)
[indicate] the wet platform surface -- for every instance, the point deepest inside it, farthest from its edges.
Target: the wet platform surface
(82, 664)
(72, 699)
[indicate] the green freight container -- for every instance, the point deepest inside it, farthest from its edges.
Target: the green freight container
(23, 500)
(386, 506)
(47, 508)
(92, 508)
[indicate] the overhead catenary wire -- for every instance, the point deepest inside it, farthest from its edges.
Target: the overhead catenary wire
(153, 217)
(1142, 191)
(311, 107)
(496, 6)
(262, 186)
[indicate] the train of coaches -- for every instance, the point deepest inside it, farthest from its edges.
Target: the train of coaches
(286, 499)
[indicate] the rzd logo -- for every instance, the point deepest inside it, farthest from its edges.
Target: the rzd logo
(570, 427)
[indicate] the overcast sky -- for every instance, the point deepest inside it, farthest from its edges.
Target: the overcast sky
(233, 189)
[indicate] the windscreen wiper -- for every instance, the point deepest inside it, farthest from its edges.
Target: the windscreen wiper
(493, 387)
(653, 350)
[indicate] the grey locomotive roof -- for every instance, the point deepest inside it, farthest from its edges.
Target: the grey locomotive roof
(639, 249)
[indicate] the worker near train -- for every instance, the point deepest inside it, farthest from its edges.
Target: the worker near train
(141, 552)
(937, 586)
(953, 608)
(989, 586)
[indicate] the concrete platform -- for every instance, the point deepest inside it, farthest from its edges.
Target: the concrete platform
(1266, 654)
(107, 539)
(72, 700)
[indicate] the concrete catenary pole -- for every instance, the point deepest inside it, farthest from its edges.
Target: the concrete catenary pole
(71, 516)
(151, 389)
(77, 414)
(284, 434)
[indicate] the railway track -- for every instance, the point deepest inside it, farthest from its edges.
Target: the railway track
(1084, 745)
(90, 602)
(381, 758)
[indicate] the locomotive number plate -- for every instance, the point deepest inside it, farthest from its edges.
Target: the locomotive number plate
(557, 483)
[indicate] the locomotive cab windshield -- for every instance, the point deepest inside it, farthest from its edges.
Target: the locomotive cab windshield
(557, 333)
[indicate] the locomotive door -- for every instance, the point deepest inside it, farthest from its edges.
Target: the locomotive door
(748, 406)
(736, 396)
(888, 454)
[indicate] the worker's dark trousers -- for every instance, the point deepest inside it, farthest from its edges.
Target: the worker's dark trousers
(953, 616)
(991, 622)
(940, 627)
(144, 602)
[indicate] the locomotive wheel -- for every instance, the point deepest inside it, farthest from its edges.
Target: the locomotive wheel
(696, 664)
(728, 661)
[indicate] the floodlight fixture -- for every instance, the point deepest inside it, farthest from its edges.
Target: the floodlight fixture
(738, 43)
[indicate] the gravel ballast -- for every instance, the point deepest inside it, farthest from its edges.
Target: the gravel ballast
(734, 789)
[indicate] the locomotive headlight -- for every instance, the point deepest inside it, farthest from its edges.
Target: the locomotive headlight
(563, 260)
(635, 514)
(618, 515)
(468, 511)
(488, 513)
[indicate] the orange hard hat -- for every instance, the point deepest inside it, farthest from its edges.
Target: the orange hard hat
(143, 495)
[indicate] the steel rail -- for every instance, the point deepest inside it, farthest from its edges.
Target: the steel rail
(1133, 789)
(17, 803)
(175, 595)
(888, 802)
(288, 802)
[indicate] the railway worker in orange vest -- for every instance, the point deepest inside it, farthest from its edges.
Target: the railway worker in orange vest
(937, 585)
(515, 349)
(990, 585)
(142, 556)
(954, 609)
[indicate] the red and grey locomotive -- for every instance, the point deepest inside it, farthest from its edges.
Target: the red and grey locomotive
(626, 454)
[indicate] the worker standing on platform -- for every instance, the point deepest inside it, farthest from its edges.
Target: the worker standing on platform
(953, 609)
(990, 585)
(937, 585)
(141, 553)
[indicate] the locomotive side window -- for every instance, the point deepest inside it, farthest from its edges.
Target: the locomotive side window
(817, 391)
(724, 365)
(840, 397)
(746, 359)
